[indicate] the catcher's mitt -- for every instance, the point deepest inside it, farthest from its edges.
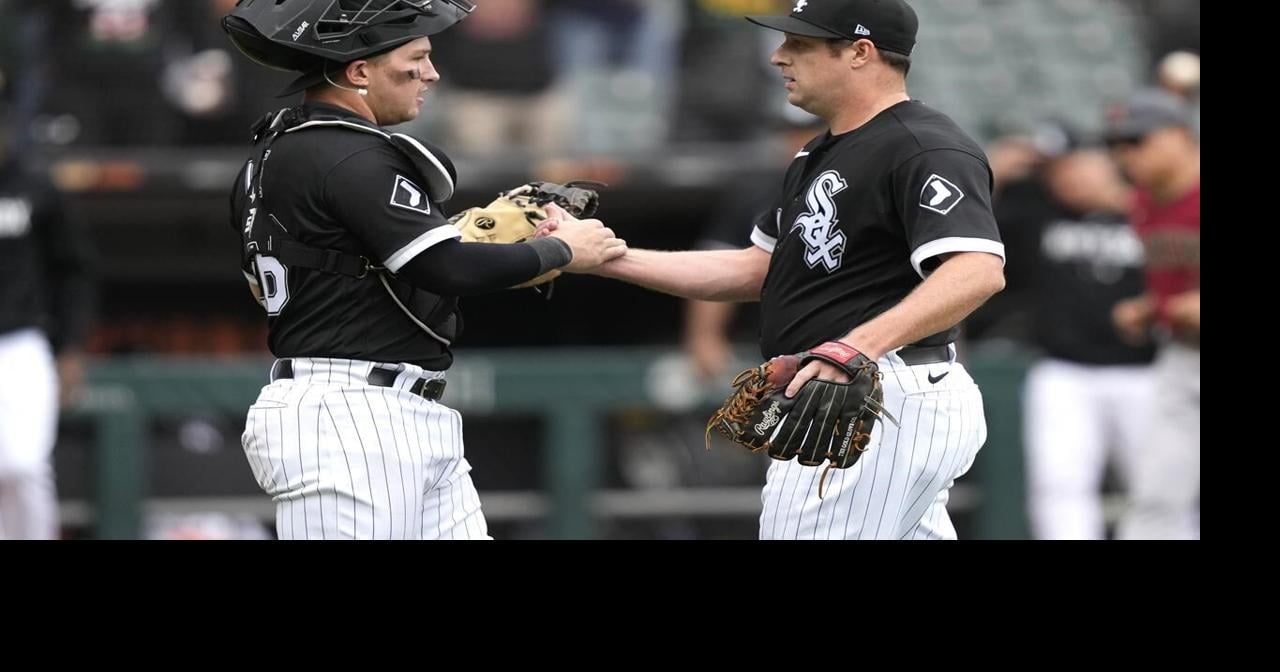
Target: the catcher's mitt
(515, 215)
(825, 422)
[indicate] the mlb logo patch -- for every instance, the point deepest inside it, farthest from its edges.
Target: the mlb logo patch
(940, 194)
(405, 194)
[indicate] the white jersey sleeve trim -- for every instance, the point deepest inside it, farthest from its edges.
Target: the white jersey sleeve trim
(934, 248)
(763, 240)
(420, 244)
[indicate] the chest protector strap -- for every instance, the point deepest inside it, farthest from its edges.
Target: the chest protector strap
(267, 235)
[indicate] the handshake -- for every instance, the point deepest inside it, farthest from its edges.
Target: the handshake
(541, 209)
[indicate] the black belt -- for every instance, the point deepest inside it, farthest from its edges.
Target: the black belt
(925, 354)
(432, 389)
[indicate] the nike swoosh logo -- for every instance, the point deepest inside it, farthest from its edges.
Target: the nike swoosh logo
(934, 381)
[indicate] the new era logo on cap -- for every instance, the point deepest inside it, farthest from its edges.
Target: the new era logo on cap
(405, 194)
(940, 195)
(861, 30)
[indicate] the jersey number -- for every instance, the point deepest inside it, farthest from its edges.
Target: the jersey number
(275, 283)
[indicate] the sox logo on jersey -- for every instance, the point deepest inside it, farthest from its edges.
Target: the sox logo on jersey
(824, 243)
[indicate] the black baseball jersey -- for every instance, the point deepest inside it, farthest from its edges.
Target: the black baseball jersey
(1067, 270)
(332, 188)
(45, 262)
(863, 217)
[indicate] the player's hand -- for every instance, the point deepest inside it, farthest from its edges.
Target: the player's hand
(71, 367)
(591, 241)
(546, 228)
(1184, 312)
(816, 369)
(1133, 318)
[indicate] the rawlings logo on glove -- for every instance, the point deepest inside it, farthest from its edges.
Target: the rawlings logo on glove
(515, 216)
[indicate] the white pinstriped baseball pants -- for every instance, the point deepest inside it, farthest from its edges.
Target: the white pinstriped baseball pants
(1166, 486)
(28, 430)
(900, 487)
(343, 459)
(1067, 451)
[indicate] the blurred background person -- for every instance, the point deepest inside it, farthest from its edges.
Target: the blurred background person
(618, 59)
(1150, 136)
(217, 97)
(46, 301)
(1072, 256)
(1179, 74)
(500, 76)
(723, 104)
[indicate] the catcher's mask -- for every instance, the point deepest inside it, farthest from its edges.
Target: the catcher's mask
(304, 35)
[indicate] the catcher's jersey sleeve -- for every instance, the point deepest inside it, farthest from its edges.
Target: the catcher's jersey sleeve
(943, 197)
(378, 196)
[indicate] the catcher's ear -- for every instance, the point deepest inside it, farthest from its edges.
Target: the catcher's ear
(357, 73)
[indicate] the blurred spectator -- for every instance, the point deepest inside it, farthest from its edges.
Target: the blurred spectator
(498, 69)
(1071, 256)
(217, 96)
(620, 34)
(46, 299)
(723, 104)
(106, 66)
(144, 72)
(1151, 138)
(1179, 74)
(1171, 25)
(618, 58)
(24, 76)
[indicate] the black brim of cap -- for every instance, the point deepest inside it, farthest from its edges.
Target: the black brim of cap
(790, 24)
(1134, 130)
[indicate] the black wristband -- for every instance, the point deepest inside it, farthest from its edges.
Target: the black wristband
(552, 253)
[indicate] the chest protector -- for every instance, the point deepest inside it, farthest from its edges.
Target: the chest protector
(264, 234)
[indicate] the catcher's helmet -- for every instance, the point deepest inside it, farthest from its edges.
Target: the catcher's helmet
(302, 34)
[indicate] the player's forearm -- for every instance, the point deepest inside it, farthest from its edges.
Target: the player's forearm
(709, 275)
(453, 268)
(947, 296)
